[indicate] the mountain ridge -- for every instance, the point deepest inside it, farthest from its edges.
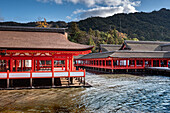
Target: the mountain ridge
(151, 26)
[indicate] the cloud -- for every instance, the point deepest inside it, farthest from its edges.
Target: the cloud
(99, 11)
(68, 17)
(46, 1)
(101, 8)
(112, 7)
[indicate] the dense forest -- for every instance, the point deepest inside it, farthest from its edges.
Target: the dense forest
(114, 29)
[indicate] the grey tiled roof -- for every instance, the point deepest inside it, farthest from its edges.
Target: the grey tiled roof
(109, 47)
(128, 54)
(145, 45)
(140, 54)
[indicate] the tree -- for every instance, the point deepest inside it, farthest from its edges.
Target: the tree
(91, 42)
(91, 32)
(135, 39)
(74, 28)
(97, 33)
(110, 40)
(42, 24)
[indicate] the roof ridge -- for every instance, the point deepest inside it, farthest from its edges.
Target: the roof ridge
(32, 29)
(146, 42)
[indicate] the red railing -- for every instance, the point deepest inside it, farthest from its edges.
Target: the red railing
(41, 74)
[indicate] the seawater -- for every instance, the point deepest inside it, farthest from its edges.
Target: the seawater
(121, 93)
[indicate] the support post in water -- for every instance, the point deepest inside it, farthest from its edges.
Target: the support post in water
(31, 78)
(7, 78)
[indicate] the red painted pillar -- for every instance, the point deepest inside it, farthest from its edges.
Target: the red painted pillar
(11, 64)
(66, 64)
(71, 63)
(151, 62)
(35, 65)
(105, 63)
(98, 62)
(126, 63)
(72, 66)
(159, 63)
(32, 64)
(6, 64)
(21, 65)
(45, 62)
(167, 63)
(143, 63)
(52, 65)
(135, 62)
(38, 65)
(102, 63)
(16, 65)
(119, 63)
(52, 69)
(112, 63)
(24, 64)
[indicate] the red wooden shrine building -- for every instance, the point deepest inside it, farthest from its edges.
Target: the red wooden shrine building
(131, 55)
(34, 53)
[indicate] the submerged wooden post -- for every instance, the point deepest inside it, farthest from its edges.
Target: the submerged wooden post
(69, 77)
(7, 78)
(52, 69)
(84, 77)
(31, 78)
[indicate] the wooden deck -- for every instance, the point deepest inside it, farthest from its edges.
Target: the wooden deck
(165, 69)
(159, 70)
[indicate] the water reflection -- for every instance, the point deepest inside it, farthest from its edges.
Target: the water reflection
(110, 93)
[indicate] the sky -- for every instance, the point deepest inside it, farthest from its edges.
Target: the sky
(73, 10)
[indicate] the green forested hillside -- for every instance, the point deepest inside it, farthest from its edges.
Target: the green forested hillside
(144, 26)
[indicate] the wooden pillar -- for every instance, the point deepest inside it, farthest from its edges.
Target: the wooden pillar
(31, 78)
(72, 66)
(105, 63)
(143, 63)
(6, 64)
(151, 62)
(119, 62)
(21, 65)
(166, 63)
(38, 65)
(16, 65)
(135, 62)
(112, 63)
(52, 69)
(32, 64)
(24, 65)
(66, 64)
(102, 63)
(127, 63)
(7, 78)
(11, 64)
(70, 63)
(159, 63)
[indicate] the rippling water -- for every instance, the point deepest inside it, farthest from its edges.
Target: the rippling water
(110, 93)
